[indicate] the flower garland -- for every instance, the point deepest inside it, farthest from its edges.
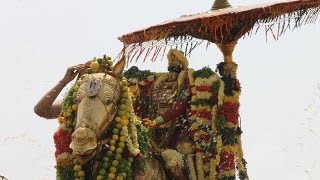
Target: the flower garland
(123, 146)
(228, 125)
(117, 162)
(62, 137)
(214, 123)
(124, 154)
(206, 96)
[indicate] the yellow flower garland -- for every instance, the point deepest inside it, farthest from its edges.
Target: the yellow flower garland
(229, 71)
(198, 121)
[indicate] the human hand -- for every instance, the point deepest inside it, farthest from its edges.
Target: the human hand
(149, 123)
(72, 72)
(186, 147)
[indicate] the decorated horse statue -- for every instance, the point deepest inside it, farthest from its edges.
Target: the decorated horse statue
(99, 135)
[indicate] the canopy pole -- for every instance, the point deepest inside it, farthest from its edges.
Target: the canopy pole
(232, 91)
(227, 50)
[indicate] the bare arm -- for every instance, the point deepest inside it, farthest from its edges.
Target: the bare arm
(48, 107)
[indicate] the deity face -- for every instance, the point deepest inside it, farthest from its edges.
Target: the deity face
(173, 76)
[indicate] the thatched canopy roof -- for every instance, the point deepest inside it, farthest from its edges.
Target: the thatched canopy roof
(224, 25)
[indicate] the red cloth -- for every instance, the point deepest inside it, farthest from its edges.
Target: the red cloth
(177, 110)
(140, 109)
(180, 106)
(147, 87)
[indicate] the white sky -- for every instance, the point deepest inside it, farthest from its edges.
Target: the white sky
(39, 39)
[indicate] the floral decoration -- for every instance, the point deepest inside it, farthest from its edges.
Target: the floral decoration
(123, 156)
(206, 96)
(228, 125)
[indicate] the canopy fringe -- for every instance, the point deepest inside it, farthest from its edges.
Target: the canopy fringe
(274, 24)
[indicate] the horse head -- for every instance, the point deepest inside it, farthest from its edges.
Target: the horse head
(98, 98)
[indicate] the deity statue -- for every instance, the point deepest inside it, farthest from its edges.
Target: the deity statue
(167, 107)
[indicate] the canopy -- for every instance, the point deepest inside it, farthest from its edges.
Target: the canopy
(223, 25)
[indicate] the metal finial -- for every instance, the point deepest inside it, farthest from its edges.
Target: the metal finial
(220, 4)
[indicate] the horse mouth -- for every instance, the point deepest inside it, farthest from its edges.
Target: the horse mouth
(86, 153)
(86, 156)
(83, 141)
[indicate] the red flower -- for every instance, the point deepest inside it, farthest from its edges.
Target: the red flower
(192, 132)
(138, 156)
(227, 161)
(201, 114)
(236, 85)
(205, 137)
(62, 140)
(198, 150)
(230, 112)
(205, 114)
(204, 88)
(206, 159)
(220, 111)
(191, 113)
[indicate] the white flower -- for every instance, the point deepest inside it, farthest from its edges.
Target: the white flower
(131, 139)
(172, 158)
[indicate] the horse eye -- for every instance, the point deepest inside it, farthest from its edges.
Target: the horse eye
(108, 100)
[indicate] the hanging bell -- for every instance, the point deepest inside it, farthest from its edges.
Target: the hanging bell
(220, 4)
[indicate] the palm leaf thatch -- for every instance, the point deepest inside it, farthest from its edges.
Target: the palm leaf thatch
(220, 26)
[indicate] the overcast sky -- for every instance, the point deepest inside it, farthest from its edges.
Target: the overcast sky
(39, 39)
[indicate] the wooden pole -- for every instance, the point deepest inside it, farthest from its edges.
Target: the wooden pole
(227, 50)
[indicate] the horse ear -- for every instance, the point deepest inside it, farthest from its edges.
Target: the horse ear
(119, 66)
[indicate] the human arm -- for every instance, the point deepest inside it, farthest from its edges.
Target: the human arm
(178, 108)
(48, 107)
